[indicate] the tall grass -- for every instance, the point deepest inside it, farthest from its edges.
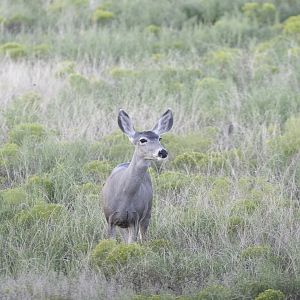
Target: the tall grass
(225, 222)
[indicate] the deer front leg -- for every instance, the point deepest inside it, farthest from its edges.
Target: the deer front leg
(133, 231)
(111, 231)
(143, 229)
(124, 233)
(131, 234)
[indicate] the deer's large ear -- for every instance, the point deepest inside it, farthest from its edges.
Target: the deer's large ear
(125, 124)
(164, 124)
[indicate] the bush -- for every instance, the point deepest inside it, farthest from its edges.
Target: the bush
(191, 142)
(153, 29)
(40, 51)
(292, 25)
(219, 190)
(89, 188)
(17, 23)
(215, 292)
(119, 73)
(261, 12)
(121, 254)
(41, 212)
(9, 154)
(42, 186)
(23, 109)
(109, 255)
(101, 16)
(211, 83)
(101, 251)
(288, 144)
(13, 197)
(201, 161)
(79, 82)
(171, 181)
(13, 50)
(160, 245)
(256, 251)
(270, 294)
(65, 68)
(63, 5)
(98, 168)
(27, 131)
(198, 222)
(114, 147)
(235, 224)
(246, 206)
(222, 58)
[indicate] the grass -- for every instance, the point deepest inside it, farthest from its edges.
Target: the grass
(226, 216)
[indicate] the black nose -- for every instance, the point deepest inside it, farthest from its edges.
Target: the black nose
(163, 153)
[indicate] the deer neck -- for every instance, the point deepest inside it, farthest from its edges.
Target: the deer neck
(135, 173)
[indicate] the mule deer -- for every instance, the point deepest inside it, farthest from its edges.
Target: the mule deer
(128, 191)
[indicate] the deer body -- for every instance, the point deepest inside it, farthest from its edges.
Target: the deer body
(128, 190)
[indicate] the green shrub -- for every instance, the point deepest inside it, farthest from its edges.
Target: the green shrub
(41, 50)
(201, 11)
(270, 294)
(79, 82)
(101, 251)
(196, 141)
(63, 5)
(13, 50)
(120, 73)
(200, 161)
(114, 147)
(89, 188)
(97, 168)
(13, 197)
(153, 29)
(108, 254)
(23, 109)
(171, 181)
(219, 190)
(222, 57)
(27, 131)
(160, 245)
(256, 251)
(41, 185)
(261, 12)
(101, 16)
(198, 222)
(210, 83)
(288, 144)
(292, 25)
(9, 154)
(18, 22)
(41, 212)
(121, 254)
(215, 292)
(65, 68)
(235, 224)
(246, 206)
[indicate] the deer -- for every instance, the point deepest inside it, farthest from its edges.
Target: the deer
(127, 192)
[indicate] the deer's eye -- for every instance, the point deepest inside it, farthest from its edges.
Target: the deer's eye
(159, 139)
(143, 141)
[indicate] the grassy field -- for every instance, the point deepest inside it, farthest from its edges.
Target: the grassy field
(226, 215)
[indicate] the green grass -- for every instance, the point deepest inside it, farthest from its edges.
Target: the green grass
(226, 214)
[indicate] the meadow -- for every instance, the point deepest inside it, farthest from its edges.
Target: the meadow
(226, 215)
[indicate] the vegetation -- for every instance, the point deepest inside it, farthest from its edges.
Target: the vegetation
(226, 214)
